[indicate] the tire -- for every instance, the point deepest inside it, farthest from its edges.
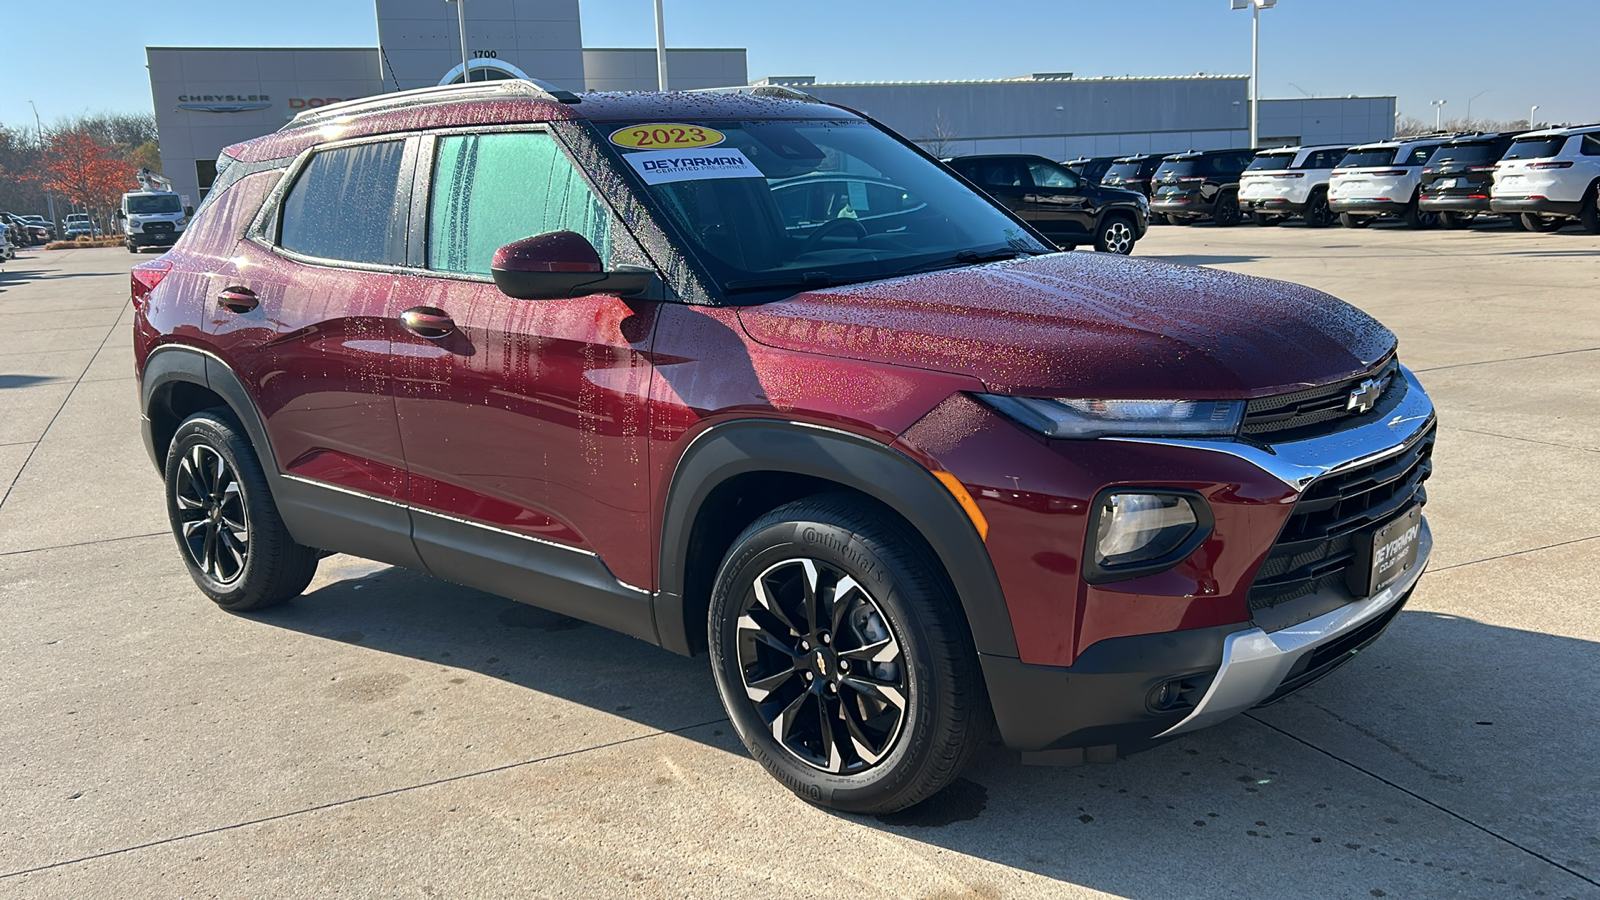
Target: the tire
(916, 705)
(1417, 218)
(1265, 220)
(1115, 235)
(216, 489)
(1226, 213)
(1540, 224)
(132, 249)
(1589, 212)
(1349, 221)
(1455, 221)
(1177, 220)
(1317, 214)
(1516, 221)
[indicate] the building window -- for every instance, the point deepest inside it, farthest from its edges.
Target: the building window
(205, 171)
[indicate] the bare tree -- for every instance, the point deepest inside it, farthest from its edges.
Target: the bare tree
(941, 139)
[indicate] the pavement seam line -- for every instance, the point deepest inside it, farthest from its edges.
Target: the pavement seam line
(46, 432)
(1526, 440)
(1416, 796)
(351, 800)
(125, 537)
(1486, 362)
(1514, 553)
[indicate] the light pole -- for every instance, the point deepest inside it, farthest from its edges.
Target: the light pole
(49, 196)
(661, 49)
(1530, 117)
(1469, 105)
(1438, 113)
(1256, 6)
(461, 20)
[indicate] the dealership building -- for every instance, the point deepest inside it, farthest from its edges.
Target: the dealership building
(207, 98)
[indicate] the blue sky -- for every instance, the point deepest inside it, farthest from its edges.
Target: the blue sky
(88, 55)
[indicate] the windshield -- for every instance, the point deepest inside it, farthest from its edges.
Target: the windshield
(146, 204)
(1535, 148)
(1378, 156)
(1270, 161)
(1474, 154)
(767, 202)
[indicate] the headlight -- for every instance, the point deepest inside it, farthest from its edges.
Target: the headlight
(1137, 532)
(1099, 418)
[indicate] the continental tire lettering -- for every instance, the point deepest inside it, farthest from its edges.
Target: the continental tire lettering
(856, 557)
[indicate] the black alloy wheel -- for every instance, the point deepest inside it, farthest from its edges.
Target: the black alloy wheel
(232, 539)
(1227, 211)
(1417, 217)
(821, 665)
(212, 521)
(1115, 235)
(1318, 214)
(842, 656)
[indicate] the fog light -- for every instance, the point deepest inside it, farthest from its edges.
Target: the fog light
(1135, 528)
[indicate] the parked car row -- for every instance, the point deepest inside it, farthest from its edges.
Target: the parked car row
(24, 231)
(1539, 180)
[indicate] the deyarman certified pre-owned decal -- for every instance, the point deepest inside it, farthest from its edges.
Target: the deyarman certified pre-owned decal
(665, 166)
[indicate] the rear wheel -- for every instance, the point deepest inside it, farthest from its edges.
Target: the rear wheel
(1588, 213)
(227, 525)
(1317, 214)
(842, 657)
(1115, 235)
(1539, 223)
(1516, 222)
(1265, 219)
(1455, 220)
(1416, 217)
(1226, 214)
(1177, 220)
(1350, 221)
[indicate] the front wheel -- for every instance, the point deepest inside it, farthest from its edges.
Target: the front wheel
(1115, 235)
(230, 534)
(842, 657)
(1226, 214)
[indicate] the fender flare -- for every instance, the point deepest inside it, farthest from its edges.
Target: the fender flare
(747, 446)
(170, 363)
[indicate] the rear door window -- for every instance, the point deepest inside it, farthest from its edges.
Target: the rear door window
(997, 173)
(491, 189)
(1048, 175)
(343, 206)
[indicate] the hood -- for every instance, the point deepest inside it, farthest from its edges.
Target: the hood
(1088, 325)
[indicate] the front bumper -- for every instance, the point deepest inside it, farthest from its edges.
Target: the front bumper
(1535, 205)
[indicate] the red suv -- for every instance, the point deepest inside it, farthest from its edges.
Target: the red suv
(747, 373)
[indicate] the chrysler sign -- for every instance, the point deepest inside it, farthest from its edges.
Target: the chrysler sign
(223, 103)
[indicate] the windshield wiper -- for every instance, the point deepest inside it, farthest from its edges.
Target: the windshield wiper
(969, 258)
(794, 282)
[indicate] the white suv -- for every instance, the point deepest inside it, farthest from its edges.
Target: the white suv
(1376, 180)
(1550, 177)
(1290, 181)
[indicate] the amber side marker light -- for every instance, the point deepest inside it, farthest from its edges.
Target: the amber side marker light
(959, 491)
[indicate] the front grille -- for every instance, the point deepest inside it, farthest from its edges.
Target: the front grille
(1320, 544)
(158, 228)
(1318, 410)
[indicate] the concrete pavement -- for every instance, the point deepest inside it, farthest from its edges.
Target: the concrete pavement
(391, 735)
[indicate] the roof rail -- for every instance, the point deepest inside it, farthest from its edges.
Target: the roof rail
(760, 90)
(428, 96)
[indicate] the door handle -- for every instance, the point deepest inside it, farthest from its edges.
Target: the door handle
(427, 322)
(238, 299)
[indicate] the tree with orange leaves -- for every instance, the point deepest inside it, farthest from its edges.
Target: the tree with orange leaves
(89, 173)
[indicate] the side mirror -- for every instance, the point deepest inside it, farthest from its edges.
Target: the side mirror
(118, 214)
(188, 210)
(559, 265)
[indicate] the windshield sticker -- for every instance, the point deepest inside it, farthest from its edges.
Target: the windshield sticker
(666, 166)
(666, 136)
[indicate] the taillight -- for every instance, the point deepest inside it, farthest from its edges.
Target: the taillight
(1292, 175)
(1480, 168)
(1190, 180)
(1564, 164)
(146, 276)
(1387, 172)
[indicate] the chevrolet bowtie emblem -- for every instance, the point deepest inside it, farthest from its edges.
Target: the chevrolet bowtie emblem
(1365, 397)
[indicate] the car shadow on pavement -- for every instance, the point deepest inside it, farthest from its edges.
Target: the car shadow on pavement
(1438, 710)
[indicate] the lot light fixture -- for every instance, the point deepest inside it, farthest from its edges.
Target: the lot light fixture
(1438, 113)
(1255, 6)
(461, 21)
(1530, 116)
(661, 49)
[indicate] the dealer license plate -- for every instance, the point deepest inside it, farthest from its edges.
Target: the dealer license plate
(1394, 549)
(1442, 184)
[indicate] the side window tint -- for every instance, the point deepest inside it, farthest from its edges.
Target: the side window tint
(1420, 155)
(1591, 145)
(1048, 176)
(343, 205)
(492, 189)
(999, 174)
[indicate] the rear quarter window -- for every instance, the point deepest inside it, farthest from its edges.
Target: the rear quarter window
(343, 205)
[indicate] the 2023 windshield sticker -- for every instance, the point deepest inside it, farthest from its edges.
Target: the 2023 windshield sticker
(666, 166)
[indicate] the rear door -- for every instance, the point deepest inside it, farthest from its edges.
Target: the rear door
(1058, 205)
(305, 314)
(524, 425)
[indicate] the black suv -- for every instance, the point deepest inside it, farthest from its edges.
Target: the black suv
(1093, 168)
(1200, 184)
(1062, 204)
(1457, 178)
(1133, 172)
